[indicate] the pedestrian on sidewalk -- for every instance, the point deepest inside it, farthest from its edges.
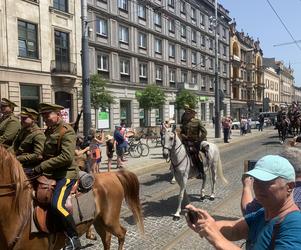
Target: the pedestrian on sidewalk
(120, 146)
(261, 122)
(226, 128)
(110, 150)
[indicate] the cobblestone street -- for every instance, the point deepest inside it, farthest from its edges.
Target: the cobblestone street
(159, 200)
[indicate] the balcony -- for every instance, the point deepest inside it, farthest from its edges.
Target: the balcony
(236, 80)
(63, 69)
(236, 60)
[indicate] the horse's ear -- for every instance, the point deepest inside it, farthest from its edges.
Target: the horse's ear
(174, 126)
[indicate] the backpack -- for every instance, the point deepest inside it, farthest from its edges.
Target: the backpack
(193, 129)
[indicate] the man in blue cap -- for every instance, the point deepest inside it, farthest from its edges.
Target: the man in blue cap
(275, 226)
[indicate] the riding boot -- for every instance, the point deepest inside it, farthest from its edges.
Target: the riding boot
(73, 242)
(201, 169)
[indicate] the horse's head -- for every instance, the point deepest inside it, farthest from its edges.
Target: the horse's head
(169, 140)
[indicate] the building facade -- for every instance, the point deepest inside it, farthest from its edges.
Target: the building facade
(169, 43)
(272, 89)
(247, 87)
(297, 94)
(40, 53)
(286, 78)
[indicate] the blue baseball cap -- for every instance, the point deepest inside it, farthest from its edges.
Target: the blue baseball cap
(271, 167)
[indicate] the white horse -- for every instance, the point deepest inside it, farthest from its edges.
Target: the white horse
(182, 166)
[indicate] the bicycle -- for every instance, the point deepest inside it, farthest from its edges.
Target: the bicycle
(137, 148)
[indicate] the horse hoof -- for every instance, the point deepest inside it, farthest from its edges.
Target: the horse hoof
(176, 218)
(202, 198)
(211, 198)
(172, 182)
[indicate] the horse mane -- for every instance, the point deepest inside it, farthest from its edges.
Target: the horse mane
(8, 162)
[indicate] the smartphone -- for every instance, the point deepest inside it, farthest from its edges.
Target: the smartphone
(249, 165)
(191, 215)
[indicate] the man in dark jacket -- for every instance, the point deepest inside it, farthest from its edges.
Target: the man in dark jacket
(59, 164)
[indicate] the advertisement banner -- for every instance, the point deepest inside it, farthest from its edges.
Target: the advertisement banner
(103, 119)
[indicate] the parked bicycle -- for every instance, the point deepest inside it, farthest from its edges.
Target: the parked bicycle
(137, 148)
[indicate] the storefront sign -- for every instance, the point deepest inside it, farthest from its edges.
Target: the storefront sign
(203, 98)
(103, 119)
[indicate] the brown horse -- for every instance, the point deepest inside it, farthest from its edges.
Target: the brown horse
(15, 208)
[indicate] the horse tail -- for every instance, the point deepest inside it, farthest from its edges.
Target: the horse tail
(220, 170)
(130, 184)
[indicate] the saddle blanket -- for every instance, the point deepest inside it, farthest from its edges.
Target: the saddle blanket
(84, 210)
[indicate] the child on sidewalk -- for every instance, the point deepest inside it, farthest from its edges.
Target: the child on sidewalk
(110, 150)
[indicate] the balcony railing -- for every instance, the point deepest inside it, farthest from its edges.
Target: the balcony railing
(58, 67)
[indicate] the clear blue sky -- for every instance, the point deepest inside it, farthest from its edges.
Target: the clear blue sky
(258, 20)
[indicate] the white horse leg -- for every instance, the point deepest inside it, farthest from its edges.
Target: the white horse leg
(203, 187)
(182, 183)
(173, 180)
(213, 169)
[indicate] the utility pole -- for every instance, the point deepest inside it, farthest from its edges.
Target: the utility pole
(85, 70)
(216, 80)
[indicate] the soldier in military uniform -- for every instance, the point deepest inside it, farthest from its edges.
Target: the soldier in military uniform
(9, 123)
(59, 164)
(29, 143)
(193, 133)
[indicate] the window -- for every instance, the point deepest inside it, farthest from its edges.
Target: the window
(193, 14)
(172, 50)
(159, 72)
(123, 34)
(172, 76)
(211, 63)
(102, 62)
(224, 50)
(62, 59)
(183, 31)
(27, 39)
(203, 82)
(171, 25)
(203, 59)
(210, 44)
(123, 5)
(30, 96)
(141, 12)
(183, 54)
(61, 5)
(211, 83)
(157, 19)
(143, 70)
(193, 35)
(124, 66)
(224, 33)
(171, 3)
(158, 46)
(225, 68)
(184, 77)
(182, 7)
(202, 20)
(193, 58)
(203, 40)
(142, 40)
(102, 27)
(194, 79)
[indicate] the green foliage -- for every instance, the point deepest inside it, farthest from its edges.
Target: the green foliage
(151, 97)
(186, 97)
(100, 97)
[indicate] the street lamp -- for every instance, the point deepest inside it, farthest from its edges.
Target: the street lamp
(214, 23)
(85, 71)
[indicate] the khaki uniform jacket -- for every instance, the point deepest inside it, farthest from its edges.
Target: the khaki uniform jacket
(29, 146)
(59, 149)
(9, 128)
(196, 130)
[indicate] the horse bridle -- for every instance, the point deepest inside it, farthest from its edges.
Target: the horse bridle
(8, 186)
(169, 149)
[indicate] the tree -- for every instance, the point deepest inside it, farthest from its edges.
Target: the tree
(186, 97)
(100, 96)
(152, 97)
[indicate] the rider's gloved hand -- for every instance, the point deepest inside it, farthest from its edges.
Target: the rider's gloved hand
(38, 170)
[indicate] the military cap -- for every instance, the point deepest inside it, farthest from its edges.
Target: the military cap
(48, 107)
(6, 102)
(29, 112)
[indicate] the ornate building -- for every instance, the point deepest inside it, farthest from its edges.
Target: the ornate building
(247, 87)
(40, 59)
(272, 89)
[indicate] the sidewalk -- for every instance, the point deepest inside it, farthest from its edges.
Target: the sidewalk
(155, 159)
